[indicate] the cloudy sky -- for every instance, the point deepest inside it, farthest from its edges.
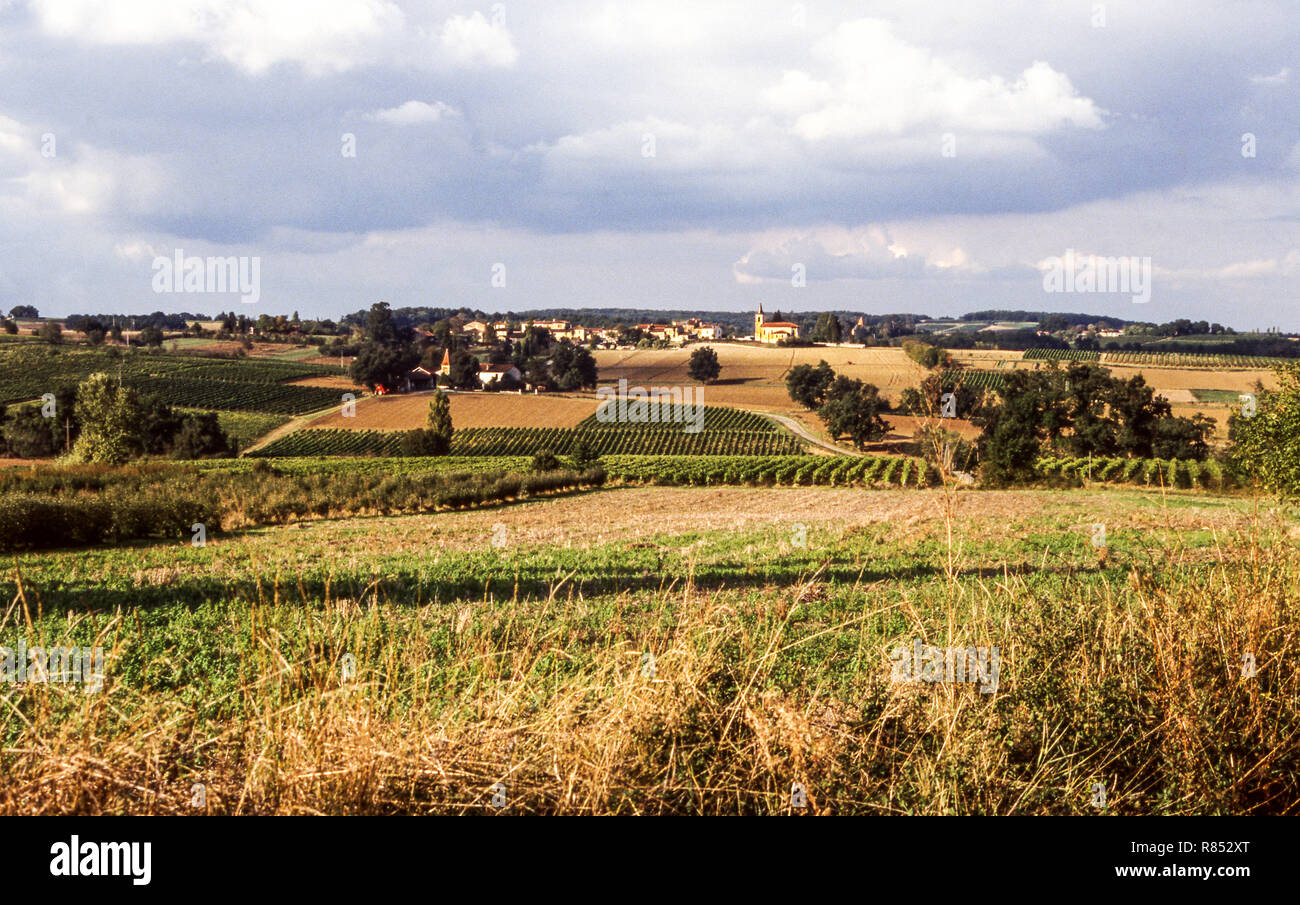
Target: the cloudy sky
(903, 156)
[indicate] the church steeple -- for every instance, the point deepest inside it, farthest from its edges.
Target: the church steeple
(759, 320)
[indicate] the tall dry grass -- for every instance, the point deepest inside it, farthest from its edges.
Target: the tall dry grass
(1137, 685)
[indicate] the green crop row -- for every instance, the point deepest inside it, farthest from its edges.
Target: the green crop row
(524, 441)
(634, 415)
(865, 471)
(1154, 472)
(1062, 355)
(1190, 360)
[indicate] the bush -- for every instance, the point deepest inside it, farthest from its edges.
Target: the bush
(544, 460)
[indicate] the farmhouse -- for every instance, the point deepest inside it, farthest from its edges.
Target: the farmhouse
(421, 378)
(766, 331)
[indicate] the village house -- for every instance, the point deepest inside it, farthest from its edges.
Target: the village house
(421, 378)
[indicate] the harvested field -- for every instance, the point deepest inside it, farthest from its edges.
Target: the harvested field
(754, 376)
(341, 383)
(405, 412)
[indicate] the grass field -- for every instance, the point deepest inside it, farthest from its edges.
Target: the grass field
(676, 650)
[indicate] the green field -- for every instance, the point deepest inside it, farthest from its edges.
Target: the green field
(676, 650)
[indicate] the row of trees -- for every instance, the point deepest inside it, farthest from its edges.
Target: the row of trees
(102, 421)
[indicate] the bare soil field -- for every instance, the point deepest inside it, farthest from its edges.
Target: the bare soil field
(405, 412)
(336, 383)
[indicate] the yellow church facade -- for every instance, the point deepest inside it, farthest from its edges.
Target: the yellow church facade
(766, 331)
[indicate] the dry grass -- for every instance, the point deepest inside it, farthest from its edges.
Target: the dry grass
(1131, 682)
(754, 376)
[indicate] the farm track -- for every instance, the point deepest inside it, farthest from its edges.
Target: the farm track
(798, 429)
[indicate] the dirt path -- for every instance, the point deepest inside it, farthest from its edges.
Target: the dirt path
(298, 422)
(797, 428)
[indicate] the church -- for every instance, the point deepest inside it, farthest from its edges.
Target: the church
(766, 331)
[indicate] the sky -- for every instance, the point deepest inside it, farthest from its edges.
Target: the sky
(934, 157)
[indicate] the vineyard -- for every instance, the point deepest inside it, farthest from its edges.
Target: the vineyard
(1157, 359)
(867, 471)
(677, 418)
(975, 380)
(1171, 473)
(184, 380)
(1191, 360)
(276, 398)
(1061, 355)
(523, 441)
(791, 470)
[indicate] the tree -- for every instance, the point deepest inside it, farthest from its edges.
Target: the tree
(422, 442)
(584, 456)
(703, 366)
(926, 355)
(52, 333)
(1137, 409)
(1088, 387)
(156, 427)
(109, 414)
(927, 401)
(200, 437)
(386, 353)
(9, 326)
(808, 385)
(150, 336)
(439, 419)
(572, 367)
(30, 435)
(1265, 444)
(1183, 438)
(828, 329)
(853, 409)
(27, 311)
(544, 460)
(464, 370)
(1032, 410)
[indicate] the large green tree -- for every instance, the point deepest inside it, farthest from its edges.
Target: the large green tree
(704, 366)
(854, 409)
(110, 415)
(1265, 434)
(808, 385)
(386, 353)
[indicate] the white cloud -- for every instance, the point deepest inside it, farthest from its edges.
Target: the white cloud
(413, 113)
(75, 178)
(254, 35)
(878, 84)
(835, 253)
(1280, 78)
(470, 40)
